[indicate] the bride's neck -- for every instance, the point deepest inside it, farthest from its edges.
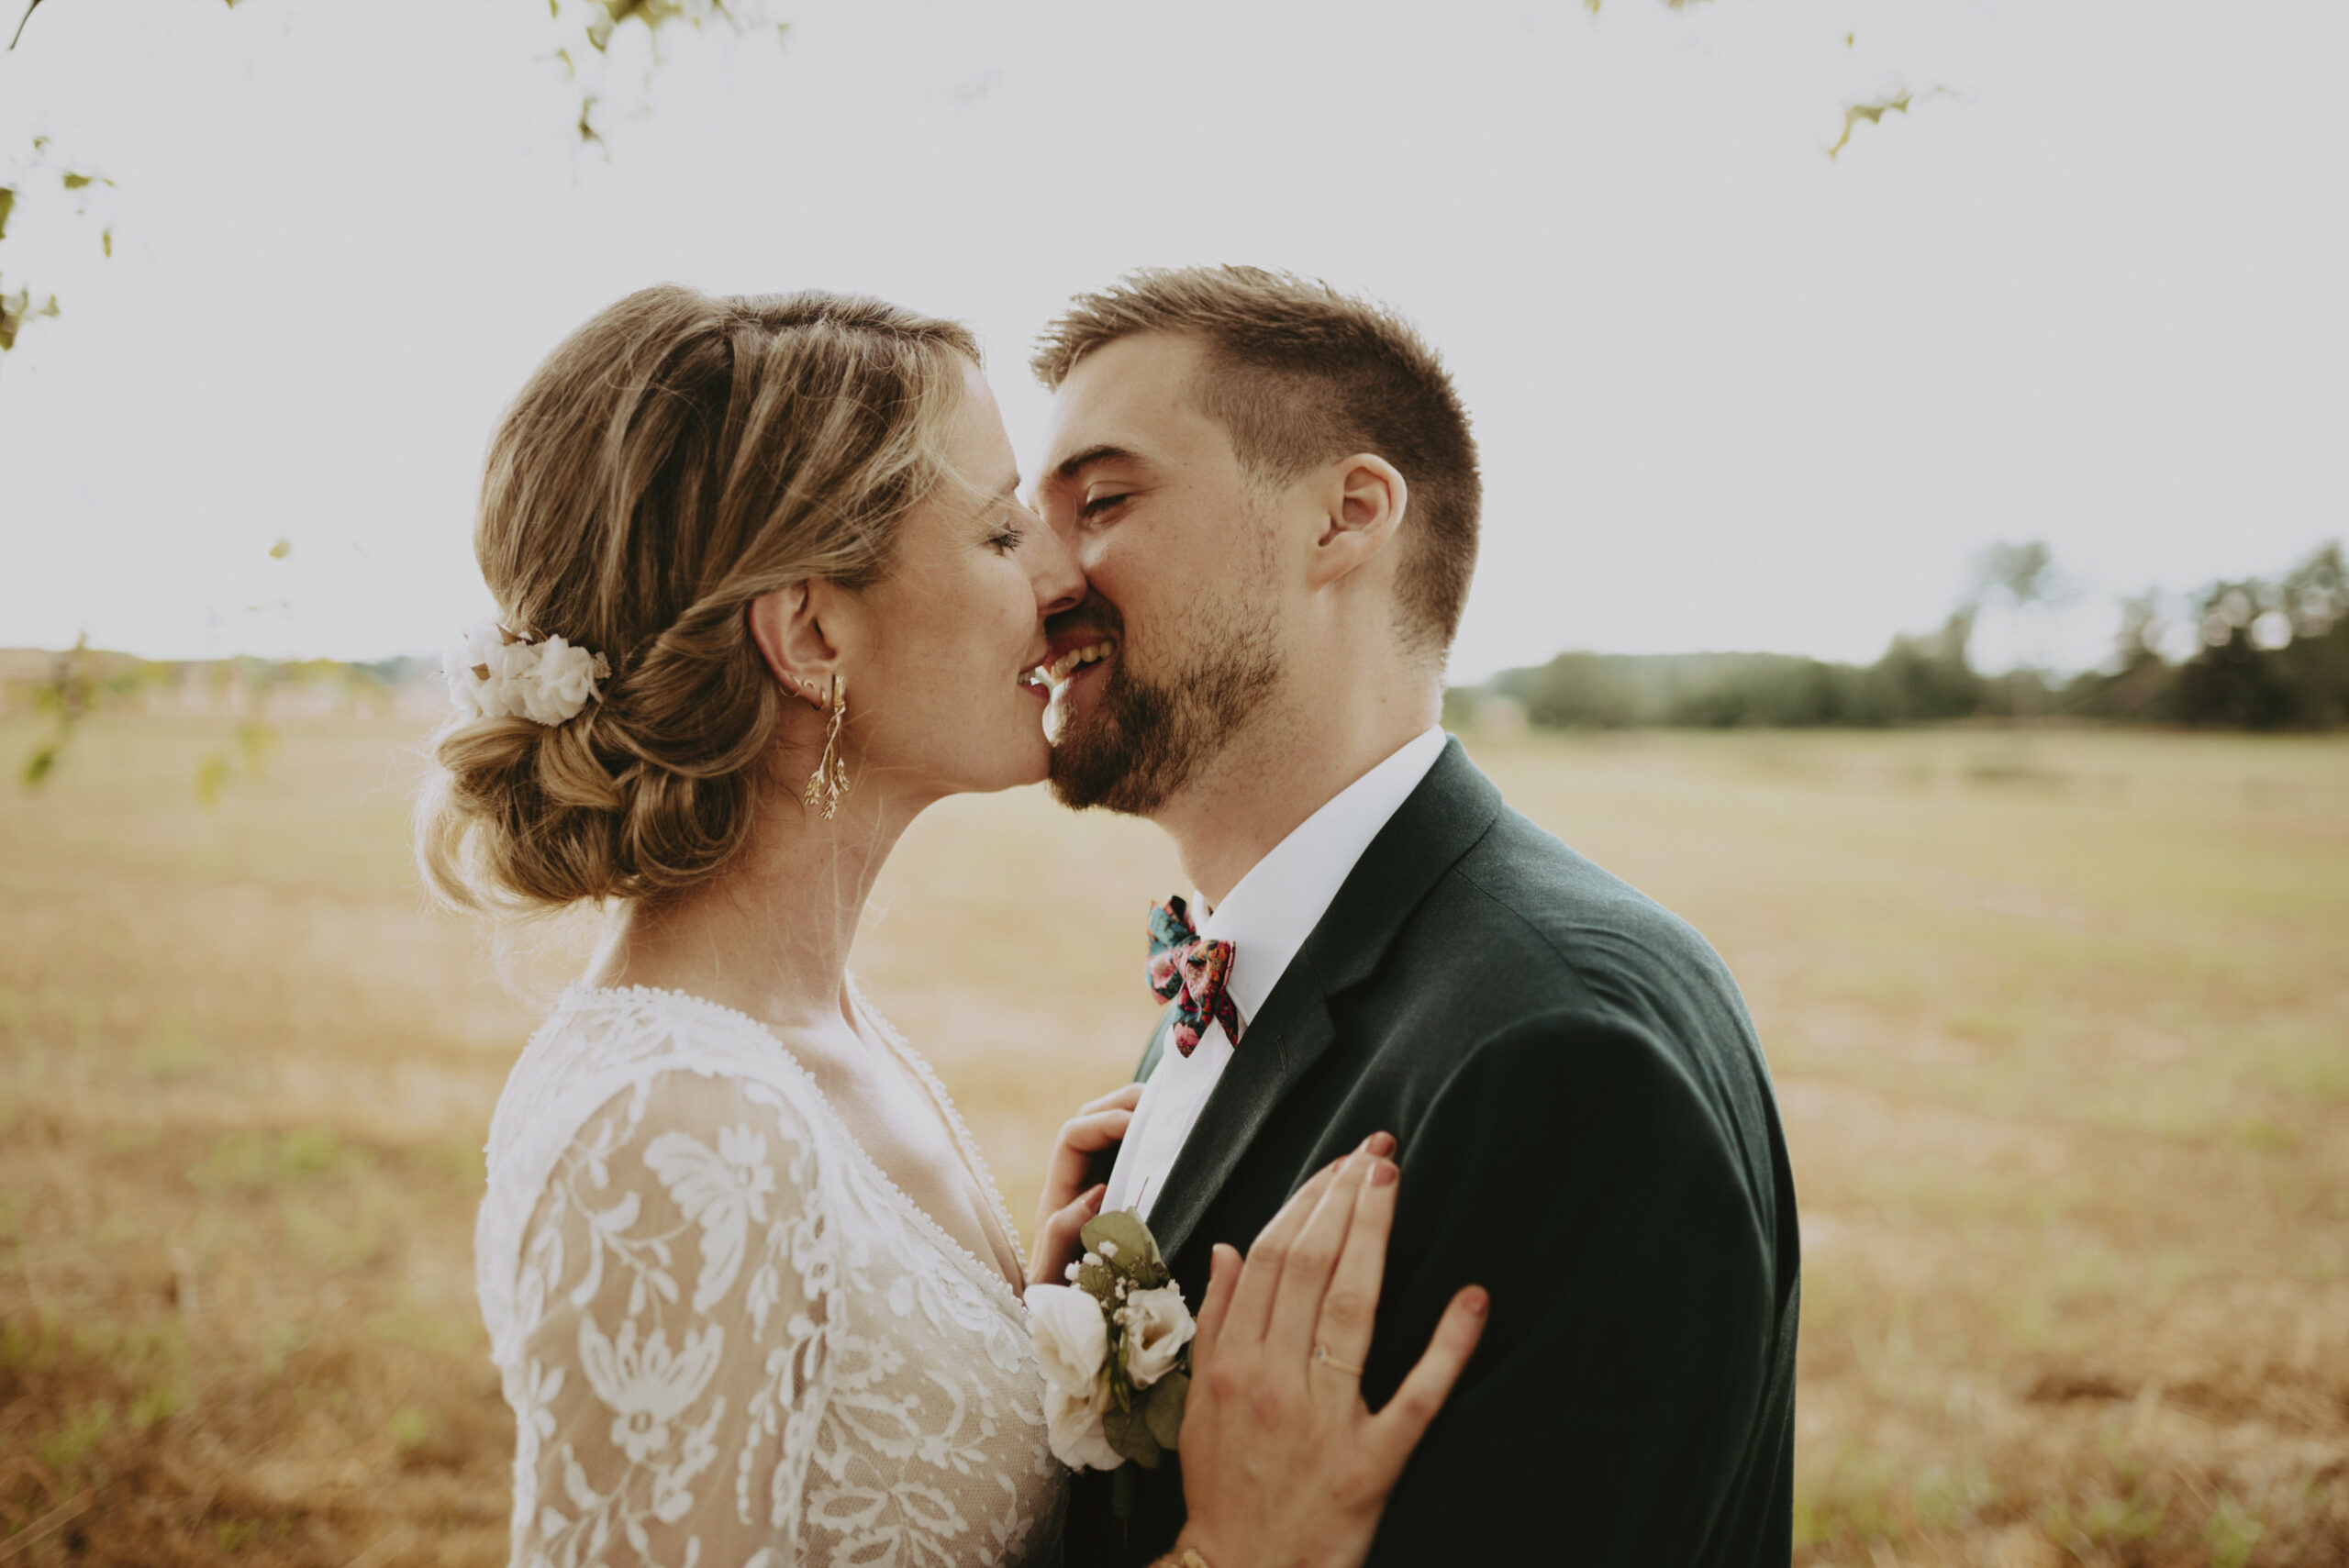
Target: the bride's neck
(770, 936)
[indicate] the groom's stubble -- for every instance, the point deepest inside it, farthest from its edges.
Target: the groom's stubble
(1151, 733)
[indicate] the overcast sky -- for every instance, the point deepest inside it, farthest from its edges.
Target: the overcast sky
(1731, 394)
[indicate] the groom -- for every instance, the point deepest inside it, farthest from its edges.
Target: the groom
(1273, 491)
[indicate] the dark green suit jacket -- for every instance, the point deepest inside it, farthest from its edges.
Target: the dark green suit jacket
(1587, 1130)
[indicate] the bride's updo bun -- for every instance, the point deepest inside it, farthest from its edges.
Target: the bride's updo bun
(674, 458)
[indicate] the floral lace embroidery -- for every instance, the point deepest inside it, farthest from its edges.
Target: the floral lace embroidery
(726, 1337)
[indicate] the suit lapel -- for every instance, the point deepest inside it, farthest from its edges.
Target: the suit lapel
(1432, 828)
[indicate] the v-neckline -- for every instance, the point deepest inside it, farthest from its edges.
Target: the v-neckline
(1006, 1289)
(991, 1209)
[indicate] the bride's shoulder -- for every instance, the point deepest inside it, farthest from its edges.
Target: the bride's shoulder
(639, 1092)
(635, 1045)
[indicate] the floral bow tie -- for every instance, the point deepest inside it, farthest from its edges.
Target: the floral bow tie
(1190, 972)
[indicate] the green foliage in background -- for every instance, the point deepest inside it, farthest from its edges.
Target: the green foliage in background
(2270, 655)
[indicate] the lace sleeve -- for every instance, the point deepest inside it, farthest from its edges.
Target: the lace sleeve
(673, 1297)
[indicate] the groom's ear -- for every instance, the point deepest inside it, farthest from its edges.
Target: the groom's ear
(788, 624)
(1363, 500)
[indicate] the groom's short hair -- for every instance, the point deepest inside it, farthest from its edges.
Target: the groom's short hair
(1301, 375)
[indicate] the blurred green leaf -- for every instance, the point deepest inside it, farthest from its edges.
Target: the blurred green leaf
(1872, 113)
(281, 549)
(256, 741)
(1163, 1411)
(211, 777)
(75, 182)
(7, 205)
(1128, 1432)
(41, 764)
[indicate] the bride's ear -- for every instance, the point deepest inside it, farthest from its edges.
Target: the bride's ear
(789, 626)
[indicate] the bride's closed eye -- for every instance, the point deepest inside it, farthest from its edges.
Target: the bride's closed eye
(1008, 538)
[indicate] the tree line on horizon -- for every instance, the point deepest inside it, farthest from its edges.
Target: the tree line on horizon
(2269, 654)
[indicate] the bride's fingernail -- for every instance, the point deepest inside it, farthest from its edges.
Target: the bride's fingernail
(1093, 1199)
(1476, 1301)
(1380, 1143)
(1382, 1173)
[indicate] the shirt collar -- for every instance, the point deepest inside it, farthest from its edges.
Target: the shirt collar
(1276, 907)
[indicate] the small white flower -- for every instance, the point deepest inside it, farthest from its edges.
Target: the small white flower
(1157, 1328)
(563, 679)
(1071, 1343)
(1073, 1428)
(1092, 1260)
(511, 666)
(1070, 1274)
(465, 666)
(490, 677)
(1071, 1340)
(1109, 1248)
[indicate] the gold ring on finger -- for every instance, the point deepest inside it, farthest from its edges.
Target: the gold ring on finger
(1321, 1357)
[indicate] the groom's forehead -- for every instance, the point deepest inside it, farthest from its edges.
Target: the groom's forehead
(1130, 400)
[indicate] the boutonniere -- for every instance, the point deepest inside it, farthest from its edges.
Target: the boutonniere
(1114, 1346)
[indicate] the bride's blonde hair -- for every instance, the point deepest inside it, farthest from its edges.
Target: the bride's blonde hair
(674, 458)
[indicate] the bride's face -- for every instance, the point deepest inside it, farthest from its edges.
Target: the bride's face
(940, 701)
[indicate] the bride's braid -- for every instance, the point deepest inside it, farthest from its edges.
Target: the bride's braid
(674, 458)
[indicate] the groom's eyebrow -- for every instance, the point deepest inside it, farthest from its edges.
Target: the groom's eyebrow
(1069, 468)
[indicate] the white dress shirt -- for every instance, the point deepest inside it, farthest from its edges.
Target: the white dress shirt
(1265, 918)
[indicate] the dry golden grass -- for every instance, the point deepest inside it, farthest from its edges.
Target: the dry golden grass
(2060, 1025)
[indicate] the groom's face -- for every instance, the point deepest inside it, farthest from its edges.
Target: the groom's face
(1181, 552)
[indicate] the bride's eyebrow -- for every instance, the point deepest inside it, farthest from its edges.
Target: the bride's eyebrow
(1003, 493)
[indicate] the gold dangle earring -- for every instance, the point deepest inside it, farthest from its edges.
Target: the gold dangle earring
(828, 783)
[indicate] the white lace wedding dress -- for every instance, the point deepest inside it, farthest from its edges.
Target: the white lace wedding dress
(728, 1340)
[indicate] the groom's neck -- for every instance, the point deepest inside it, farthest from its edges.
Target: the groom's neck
(1289, 762)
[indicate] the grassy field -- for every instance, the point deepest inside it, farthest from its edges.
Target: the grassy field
(2060, 1024)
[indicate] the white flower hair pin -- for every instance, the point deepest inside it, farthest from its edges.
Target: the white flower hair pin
(492, 673)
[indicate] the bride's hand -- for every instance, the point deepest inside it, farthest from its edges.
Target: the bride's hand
(1067, 1204)
(1282, 1464)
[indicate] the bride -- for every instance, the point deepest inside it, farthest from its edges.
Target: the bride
(765, 592)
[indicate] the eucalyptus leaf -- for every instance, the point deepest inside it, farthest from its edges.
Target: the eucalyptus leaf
(1133, 1238)
(1163, 1409)
(7, 205)
(1128, 1432)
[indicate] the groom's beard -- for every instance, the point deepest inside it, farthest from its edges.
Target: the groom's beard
(1148, 736)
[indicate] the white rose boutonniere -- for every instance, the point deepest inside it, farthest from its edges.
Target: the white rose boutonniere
(1113, 1344)
(1158, 1328)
